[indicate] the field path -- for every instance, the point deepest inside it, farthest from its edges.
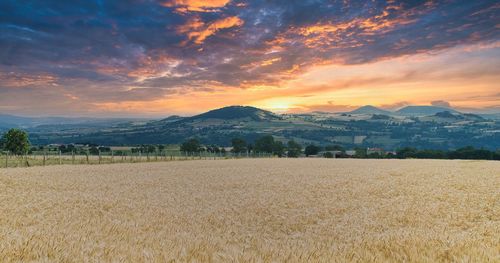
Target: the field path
(257, 210)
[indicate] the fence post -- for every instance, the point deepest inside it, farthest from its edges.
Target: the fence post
(6, 159)
(112, 157)
(99, 152)
(72, 157)
(60, 161)
(87, 157)
(44, 158)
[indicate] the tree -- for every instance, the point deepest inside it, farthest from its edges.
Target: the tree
(294, 149)
(267, 144)
(104, 149)
(191, 145)
(213, 148)
(16, 141)
(94, 150)
(360, 152)
(264, 144)
(470, 152)
(278, 148)
(161, 147)
(239, 145)
(311, 150)
(407, 152)
(334, 148)
(328, 155)
(67, 148)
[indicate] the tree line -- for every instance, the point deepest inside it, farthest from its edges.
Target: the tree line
(16, 141)
(468, 152)
(265, 144)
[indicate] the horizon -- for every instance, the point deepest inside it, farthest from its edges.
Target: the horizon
(153, 59)
(391, 110)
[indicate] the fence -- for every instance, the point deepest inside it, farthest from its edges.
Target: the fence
(58, 158)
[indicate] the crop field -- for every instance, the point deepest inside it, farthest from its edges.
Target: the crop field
(253, 210)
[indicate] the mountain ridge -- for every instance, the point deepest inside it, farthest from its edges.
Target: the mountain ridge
(369, 109)
(416, 110)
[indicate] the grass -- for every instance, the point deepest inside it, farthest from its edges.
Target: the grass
(11, 161)
(253, 210)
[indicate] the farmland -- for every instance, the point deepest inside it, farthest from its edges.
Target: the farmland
(260, 210)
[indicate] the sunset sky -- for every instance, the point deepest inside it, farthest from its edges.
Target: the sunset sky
(157, 58)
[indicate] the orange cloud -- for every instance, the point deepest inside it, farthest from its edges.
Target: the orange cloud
(184, 6)
(343, 34)
(197, 30)
(270, 62)
(18, 80)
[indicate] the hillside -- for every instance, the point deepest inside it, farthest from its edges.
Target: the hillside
(236, 112)
(368, 109)
(423, 110)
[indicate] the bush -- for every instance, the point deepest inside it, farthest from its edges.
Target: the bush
(16, 141)
(328, 155)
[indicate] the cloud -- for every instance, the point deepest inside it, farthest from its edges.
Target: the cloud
(196, 5)
(143, 50)
(198, 31)
(20, 80)
(441, 103)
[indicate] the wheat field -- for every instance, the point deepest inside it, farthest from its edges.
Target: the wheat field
(253, 210)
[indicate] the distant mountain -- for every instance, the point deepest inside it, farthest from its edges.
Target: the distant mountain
(7, 121)
(423, 110)
(368, 109)
(13, 121)
(236, 112)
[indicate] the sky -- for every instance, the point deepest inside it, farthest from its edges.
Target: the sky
(157, 58)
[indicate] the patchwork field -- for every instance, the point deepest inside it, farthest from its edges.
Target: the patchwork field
(257, 210)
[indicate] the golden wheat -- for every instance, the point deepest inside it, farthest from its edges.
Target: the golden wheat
(253, 210)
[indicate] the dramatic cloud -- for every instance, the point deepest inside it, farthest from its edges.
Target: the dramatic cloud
(197, 30)
(123, 55)
(196, 5)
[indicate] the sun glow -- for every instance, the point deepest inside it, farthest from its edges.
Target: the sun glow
(276, 105)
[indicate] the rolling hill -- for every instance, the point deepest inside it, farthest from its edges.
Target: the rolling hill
(416, 126)
(233, 113)
(369, 109)
(423, 110)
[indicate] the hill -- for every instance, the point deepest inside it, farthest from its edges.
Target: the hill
(423, 110)
(369, 109)
(236, 112)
